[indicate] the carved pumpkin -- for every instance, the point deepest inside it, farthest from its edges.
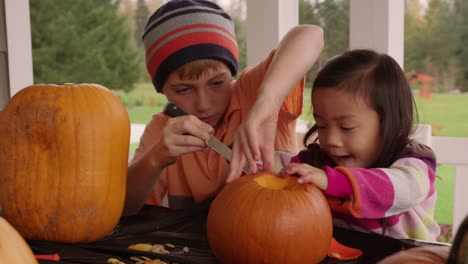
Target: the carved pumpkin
(263, 218)
(63, 160)
(13, 248)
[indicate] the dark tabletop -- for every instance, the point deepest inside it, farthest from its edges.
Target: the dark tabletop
(186, 228)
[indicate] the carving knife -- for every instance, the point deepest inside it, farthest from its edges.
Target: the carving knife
(173, 110)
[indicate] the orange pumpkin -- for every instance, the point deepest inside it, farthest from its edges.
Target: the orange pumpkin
(263, 218)
(13, 248)
(63, 159)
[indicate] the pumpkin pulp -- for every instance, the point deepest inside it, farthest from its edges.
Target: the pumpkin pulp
(274, 182)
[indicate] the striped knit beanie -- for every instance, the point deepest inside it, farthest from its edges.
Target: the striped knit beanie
(181, 31)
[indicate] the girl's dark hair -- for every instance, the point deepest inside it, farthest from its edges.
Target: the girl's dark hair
(378, 76)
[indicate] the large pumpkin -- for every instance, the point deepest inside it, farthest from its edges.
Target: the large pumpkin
(63, 161)
(263, 218)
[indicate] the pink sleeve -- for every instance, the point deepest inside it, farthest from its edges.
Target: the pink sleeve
(338, 184)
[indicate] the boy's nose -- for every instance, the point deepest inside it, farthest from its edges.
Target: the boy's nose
(203, 102)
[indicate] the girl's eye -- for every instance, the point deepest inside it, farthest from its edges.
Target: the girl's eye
(347, 128)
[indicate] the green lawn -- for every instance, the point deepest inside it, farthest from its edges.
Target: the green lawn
(445, 112)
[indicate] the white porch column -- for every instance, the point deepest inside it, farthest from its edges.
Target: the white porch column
(16, 70)
(268, 21)
(378, 25)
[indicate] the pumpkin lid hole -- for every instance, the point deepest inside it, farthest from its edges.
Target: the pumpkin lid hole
(273, 182)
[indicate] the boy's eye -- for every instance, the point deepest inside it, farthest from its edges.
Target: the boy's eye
(320, 126)
(182, 90)
(347, 128)
(217, 83)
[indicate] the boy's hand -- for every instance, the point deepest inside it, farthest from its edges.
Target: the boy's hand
(182, 135)
(307, 174)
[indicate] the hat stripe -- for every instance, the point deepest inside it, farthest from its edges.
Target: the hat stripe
(187, 20)
(185, 41)
(173, 7)
(180, 12)
(189, 30)
(192, 53)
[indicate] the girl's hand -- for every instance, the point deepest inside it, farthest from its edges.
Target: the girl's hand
(182, 135)
(307, 174)
(255, 140)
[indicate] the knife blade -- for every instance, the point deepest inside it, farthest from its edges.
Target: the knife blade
(173, 110)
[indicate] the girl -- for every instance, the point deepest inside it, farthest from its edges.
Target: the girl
(374, 176)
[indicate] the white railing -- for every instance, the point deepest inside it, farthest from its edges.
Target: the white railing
(454, 151)
(450, 151)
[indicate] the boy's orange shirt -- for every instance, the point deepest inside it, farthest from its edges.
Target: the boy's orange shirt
(202, 174)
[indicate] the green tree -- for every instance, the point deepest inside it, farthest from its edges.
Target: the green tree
(141, 16)
(415, 26)
(440, 44)
(237, 11)
(241, 35)
(333, 17)
(83, 41)
(308, 13)
(461, 28)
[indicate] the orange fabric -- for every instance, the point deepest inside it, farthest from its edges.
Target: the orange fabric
(202, 174)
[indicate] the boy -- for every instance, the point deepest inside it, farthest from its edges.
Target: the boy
(192, 56)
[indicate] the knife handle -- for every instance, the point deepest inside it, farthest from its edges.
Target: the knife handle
(173, 110)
